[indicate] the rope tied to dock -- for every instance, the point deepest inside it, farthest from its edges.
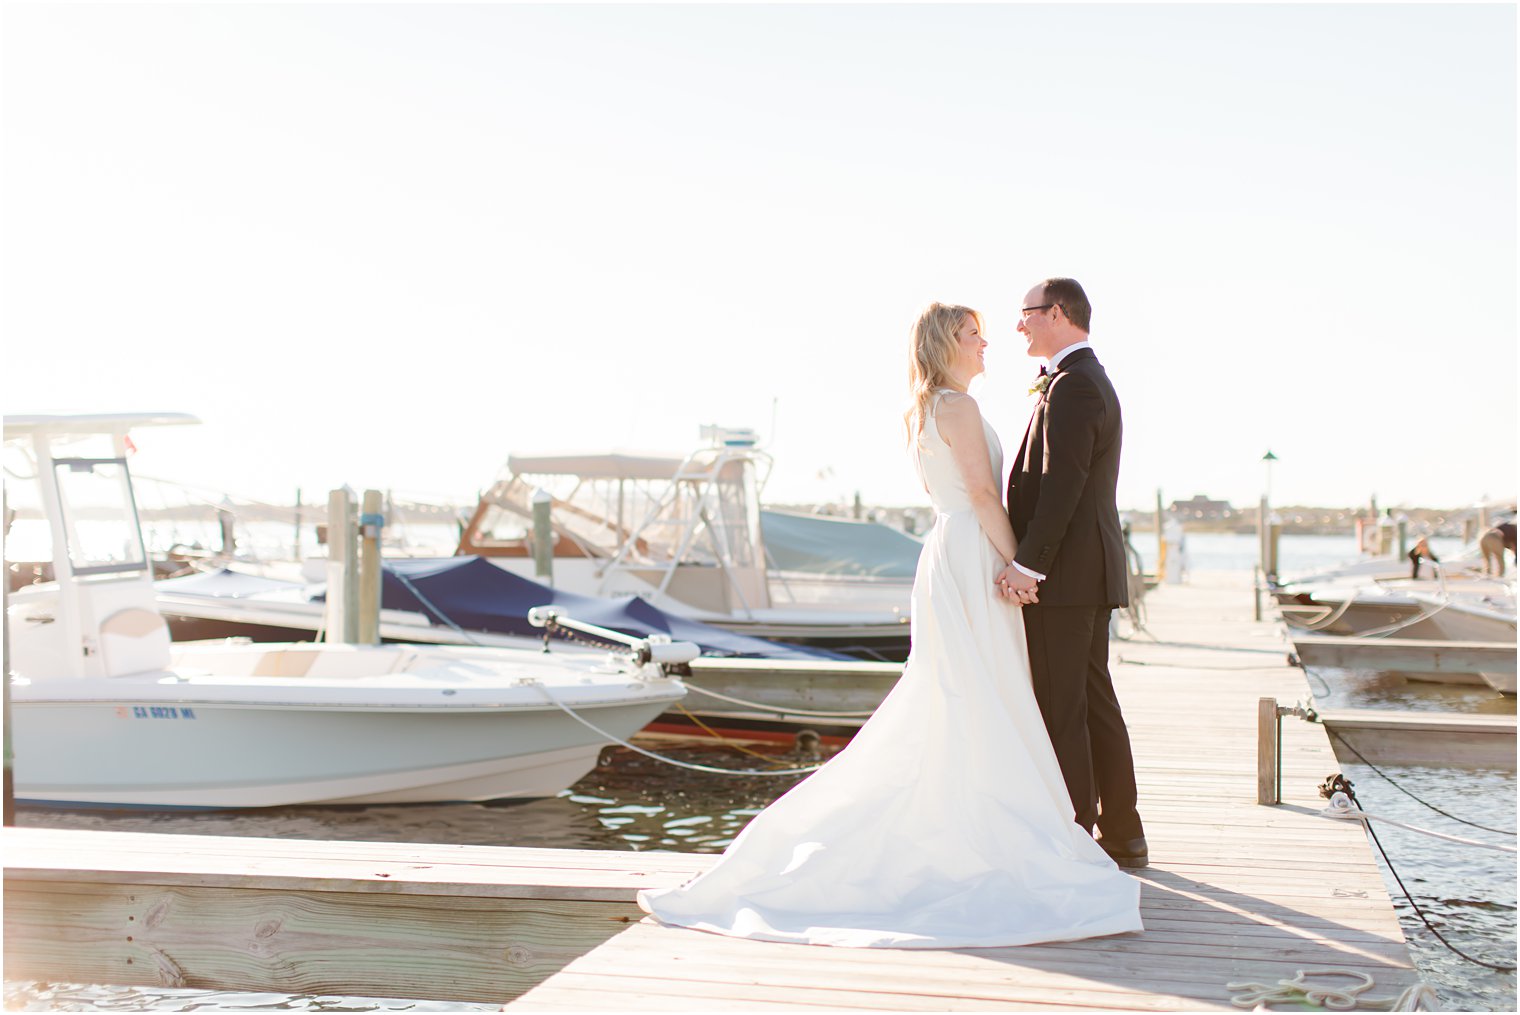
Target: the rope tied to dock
(1339, 784)
(1420, 997)
(1313, 716)
(1340, 807)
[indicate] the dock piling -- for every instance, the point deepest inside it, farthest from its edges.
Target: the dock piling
(342, 569)
(543, 538)
(372, 522)
(1268, 752)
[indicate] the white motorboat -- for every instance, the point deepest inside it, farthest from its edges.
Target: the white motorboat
(1488, 618)
(689, 535)
(1460, 606)
(105, 709)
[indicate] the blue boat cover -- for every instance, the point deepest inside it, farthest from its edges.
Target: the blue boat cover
(838, 546)
(476, 594)
(225, 583)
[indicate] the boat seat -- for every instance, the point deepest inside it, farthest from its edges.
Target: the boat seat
(285, 663)
(134, 640)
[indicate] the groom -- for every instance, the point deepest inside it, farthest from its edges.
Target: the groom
(1062, 502)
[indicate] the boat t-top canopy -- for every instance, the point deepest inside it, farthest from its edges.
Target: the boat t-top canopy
(607, 465)
(91, 423)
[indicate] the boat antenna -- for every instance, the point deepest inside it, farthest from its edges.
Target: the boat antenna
(775, 403)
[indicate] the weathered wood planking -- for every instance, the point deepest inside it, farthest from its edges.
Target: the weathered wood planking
(1235, 892)
(444, 922)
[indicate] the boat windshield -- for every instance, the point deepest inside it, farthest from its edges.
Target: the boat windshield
(99, 515)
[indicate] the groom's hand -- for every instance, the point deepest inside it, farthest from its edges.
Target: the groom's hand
(1017, 587)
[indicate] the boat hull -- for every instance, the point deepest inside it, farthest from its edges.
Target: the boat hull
(139, 753)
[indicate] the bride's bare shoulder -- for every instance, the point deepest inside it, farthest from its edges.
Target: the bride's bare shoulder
(957, 413)
(956, 403)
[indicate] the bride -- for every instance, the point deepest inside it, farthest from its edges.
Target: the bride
(945, 823)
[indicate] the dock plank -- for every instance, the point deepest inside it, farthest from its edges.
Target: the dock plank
(1236, 891)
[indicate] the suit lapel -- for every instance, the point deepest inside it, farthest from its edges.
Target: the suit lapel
(1034, 417)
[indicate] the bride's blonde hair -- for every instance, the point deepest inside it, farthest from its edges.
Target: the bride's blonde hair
(931, 351)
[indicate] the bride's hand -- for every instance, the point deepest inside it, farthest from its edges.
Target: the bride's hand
(1017, 587)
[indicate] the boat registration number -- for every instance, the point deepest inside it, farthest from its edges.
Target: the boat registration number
(155, 712)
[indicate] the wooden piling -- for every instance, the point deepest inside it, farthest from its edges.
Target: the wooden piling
(8, 817)
(543, 537)
(1266, 751)
(370, 569)
(342, 569)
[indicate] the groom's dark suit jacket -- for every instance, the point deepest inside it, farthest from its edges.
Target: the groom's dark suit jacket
(1062, 493)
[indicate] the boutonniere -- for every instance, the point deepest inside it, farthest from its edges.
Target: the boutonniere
(1040, 383)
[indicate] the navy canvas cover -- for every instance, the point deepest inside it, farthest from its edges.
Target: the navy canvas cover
(476, 594)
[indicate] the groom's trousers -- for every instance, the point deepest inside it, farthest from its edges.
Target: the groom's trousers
(1068, 661)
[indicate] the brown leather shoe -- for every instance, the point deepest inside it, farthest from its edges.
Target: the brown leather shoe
(1127, 852)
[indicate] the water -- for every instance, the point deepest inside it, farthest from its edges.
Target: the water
(1467, 893)
(632, 803)
(1297, 555)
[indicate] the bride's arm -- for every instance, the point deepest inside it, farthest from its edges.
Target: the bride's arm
(960, 424)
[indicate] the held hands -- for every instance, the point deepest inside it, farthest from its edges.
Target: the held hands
(1017, 587)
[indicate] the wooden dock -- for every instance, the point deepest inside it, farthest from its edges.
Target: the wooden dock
(374, 919)
(1236, 891)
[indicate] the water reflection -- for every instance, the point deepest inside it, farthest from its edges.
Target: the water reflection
(627, 802)
(1337, 688)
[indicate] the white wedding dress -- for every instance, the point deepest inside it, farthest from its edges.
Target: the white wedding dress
(945, 823)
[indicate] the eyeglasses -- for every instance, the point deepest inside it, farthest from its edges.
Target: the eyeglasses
(1029, 310)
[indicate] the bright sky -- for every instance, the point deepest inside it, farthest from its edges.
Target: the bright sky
(388, 245)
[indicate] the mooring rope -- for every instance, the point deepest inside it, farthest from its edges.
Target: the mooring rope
(1340, 807)
(1420, 997)
(1394, 783)
(779, 711)
(597, 729)
(1324, 620)
(1378, 632)
(720, 738)
(660, 757)
(1339, 784)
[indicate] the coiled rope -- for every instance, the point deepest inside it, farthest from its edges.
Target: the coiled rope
(1420, 997)
(1340, 784)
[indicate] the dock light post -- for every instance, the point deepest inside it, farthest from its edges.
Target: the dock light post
(1263, 525)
